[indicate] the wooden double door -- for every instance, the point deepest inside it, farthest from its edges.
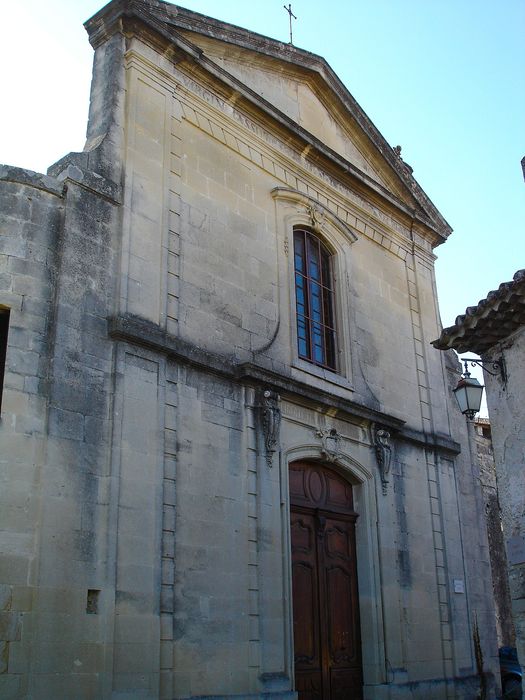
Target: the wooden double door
(324, 575)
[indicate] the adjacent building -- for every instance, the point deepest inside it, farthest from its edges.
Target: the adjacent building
(495, 330)
(232, 464)
(498, 557)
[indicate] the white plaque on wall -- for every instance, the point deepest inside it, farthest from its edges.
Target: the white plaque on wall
(459, 585)
(516, 549)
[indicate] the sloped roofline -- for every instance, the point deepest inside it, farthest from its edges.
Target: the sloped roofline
(167, 18)
(491, 321)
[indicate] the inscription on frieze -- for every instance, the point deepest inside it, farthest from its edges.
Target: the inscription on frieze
(193, 113)
(299, 413)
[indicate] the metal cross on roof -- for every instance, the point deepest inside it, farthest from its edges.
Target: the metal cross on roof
(289, 10)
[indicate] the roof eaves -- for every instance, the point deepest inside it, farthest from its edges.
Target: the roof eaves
(492, 320)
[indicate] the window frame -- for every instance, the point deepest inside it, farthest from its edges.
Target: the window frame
(297, 209)
(321, 322)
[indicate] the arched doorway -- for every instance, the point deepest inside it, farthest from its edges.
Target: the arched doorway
(327, 641)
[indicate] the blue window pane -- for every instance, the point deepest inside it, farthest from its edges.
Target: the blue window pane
(316, 301)
(328, 308)
(313, 270)
(302, 327)
(317, 342)
(300, 294)
(312, 247)
(325, 266)
(302, 337)
(330, 347)
(299, 254)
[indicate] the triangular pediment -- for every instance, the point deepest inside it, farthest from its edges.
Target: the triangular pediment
(306, 99)
(303, 98)
(295, 89)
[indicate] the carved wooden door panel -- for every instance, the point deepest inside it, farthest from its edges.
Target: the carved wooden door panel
(306, 612)
(324, 577)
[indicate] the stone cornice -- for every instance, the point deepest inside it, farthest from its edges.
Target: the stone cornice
(259, 376)
(21, 176)
(74, 167)
(139, 332)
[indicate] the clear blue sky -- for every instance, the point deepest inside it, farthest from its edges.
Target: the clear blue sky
(442, 78)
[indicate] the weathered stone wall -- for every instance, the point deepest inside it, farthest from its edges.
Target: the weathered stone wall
(54, 425)
(505, 404)
(31, 214)
(147, 541)
(498, 558)
(469, 551)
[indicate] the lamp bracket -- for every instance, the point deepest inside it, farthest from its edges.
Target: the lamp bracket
(497, 365)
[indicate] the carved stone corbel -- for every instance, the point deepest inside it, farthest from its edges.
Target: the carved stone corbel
(270, 422)
(330, 443)
(383, 449)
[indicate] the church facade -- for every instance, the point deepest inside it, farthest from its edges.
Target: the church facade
(233, 465)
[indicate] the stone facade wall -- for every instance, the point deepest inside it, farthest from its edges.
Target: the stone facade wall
(506, 412)
(151, 288)
(498, 558)
(31, 216)
(54, 429)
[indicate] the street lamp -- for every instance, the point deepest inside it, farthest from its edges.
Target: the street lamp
(468, 394)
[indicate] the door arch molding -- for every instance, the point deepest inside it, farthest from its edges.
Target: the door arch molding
(352, 470)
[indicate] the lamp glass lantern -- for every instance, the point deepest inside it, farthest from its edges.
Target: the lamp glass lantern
(468, 394)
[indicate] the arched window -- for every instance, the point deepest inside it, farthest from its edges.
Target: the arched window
(314, 296)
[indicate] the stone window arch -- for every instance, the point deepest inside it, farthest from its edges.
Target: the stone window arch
(298, 212)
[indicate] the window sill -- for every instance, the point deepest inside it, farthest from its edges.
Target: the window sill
(321, 373)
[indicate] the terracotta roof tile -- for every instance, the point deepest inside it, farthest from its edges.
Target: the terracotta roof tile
(494, 318)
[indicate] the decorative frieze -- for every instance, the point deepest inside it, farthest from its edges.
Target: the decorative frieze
(194, 101)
